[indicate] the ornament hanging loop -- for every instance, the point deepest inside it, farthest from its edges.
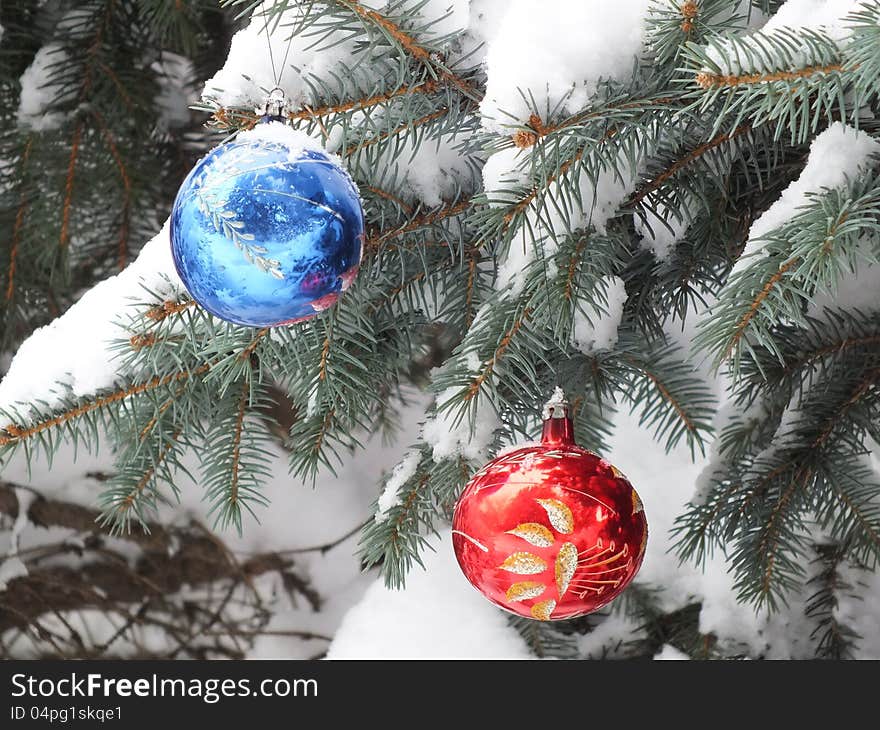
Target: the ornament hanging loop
(275, 107)
(558, 427)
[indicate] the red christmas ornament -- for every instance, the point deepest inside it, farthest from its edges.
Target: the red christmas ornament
(550, 531)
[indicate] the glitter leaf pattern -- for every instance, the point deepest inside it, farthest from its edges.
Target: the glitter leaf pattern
(533, 533)
(523, 564)
(592, 570)
(225, 222)
(542, 610)
(566, 564)
(524, 590)
(559, 515)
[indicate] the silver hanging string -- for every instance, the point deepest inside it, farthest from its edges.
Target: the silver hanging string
(276, 75)
(284, 62)
(269, 44)
(276, 101)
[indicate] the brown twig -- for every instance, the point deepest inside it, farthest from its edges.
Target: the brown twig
(740, 328)
(708, 80)
(477, 382)
(686, 160)
(19, 433)
(16, 228)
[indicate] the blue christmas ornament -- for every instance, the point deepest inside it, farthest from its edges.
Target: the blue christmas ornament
(267, 229)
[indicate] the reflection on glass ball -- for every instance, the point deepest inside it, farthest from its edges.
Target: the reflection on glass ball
(267, 229)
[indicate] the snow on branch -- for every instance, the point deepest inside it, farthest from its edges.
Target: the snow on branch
(825, 18)
(535, 63)
(838, 154)
(757, 295)
(73, 352)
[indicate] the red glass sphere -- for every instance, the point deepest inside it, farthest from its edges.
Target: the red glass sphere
(549, 531)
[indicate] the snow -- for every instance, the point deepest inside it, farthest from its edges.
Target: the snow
(10, 569)
(473, 362)
(504, 172)
(851, 608)
(605, 638)
(176, 91)
(510, 448)
(12, 566)
(557, 400)
(589, 205)
(597, 330)
(669, 653)
(534, 64)
(592, 206)
(826, 14)
(401, 474)
(431, 172)
(837, 154)
(85, 331)
(512, 271)
(247, 75)
(857, 289)
(536, 56)
(724, 417)
(37, 94)
(452, 437)
(483, 25)
(439, 615)
(664, 483)
(295, 140)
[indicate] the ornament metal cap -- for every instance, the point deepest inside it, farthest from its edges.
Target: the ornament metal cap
(274, 108)
(558, 428)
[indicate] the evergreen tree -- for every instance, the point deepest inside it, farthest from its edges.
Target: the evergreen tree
(718, 177)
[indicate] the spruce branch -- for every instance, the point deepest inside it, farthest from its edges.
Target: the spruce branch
(19, 220)
(835, 639)
(393, 541)
(410, 46)
(807, 253)
(777, 92)
(670, 395)
(13, 434)
(126, 190)
(659, 180)
(672, 23)
(426, 220)
(792, 80)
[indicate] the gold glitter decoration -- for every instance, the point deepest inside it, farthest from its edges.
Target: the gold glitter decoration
(542, 610)
(524, 564)
(566, 563)
(533, 533)
(644, 543)
(637, 502)
(559, 515)
(524, 590)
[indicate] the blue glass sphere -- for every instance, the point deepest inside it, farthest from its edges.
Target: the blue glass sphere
(267, 229)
